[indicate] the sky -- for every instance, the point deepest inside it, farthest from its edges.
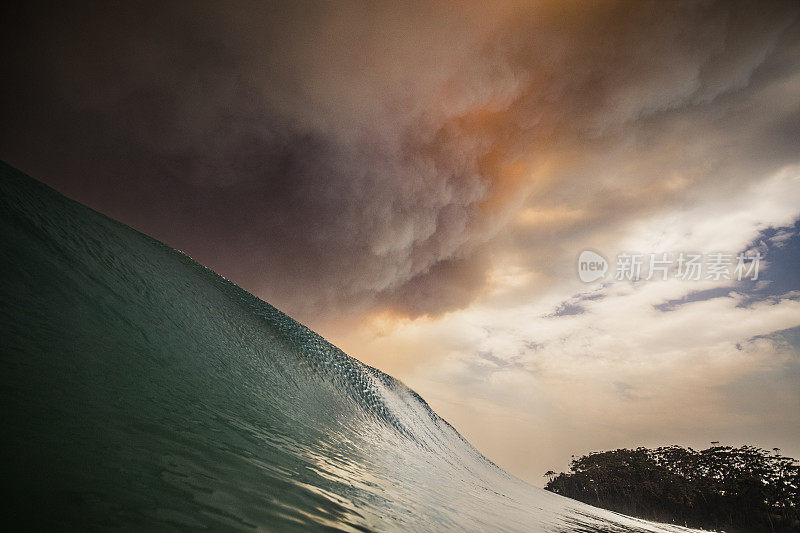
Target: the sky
(416, 182)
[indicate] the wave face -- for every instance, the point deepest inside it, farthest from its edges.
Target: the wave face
(142, 390)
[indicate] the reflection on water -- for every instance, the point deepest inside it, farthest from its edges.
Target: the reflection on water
(141, 390)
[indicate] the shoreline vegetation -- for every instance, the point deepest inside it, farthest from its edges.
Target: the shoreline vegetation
(745, 489)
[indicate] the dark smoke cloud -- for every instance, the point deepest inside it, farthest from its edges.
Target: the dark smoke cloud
(340, 157)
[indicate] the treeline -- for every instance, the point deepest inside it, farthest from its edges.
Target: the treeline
(720, 488)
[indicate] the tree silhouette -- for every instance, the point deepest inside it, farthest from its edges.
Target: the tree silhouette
(735, 489)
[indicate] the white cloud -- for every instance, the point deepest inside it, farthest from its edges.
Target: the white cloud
(621, 372)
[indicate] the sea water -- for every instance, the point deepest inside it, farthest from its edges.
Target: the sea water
(140, 390)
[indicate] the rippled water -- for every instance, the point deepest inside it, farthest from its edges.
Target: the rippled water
(142, 390)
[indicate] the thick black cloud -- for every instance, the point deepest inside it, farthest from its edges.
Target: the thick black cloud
(335, 157)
